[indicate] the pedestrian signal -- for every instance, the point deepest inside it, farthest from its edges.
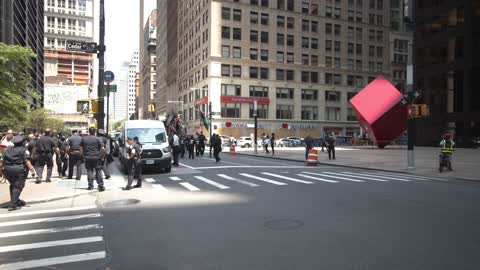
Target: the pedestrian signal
(83, 106)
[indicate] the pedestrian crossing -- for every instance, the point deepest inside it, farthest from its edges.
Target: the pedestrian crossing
(52, 238)
(225, 181)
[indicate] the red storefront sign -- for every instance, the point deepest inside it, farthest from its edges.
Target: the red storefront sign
(332, 129)
(203, 100)
(234, 99)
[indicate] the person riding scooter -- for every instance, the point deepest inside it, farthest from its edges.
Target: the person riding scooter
(448, 147)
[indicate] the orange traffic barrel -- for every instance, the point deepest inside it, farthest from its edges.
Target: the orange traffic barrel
(312, 159)
(232, 149)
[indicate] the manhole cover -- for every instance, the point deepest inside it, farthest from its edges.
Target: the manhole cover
(284, 224)
(120, 203)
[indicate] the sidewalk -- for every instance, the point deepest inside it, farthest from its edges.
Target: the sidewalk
(466, 162)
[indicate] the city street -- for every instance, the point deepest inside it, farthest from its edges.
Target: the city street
(253, 213)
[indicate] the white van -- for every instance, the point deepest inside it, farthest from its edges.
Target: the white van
(153, 137)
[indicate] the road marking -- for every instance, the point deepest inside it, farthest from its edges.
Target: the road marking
(190, 167)
(160, 187)
(263, 179)
(262, 161)
(51, 219)
(175, 178)
(249, 166)
(287, 178)
(47, 211)
(189, 186)
(384, 177)
(348, 175)
(336, 177)
(51, 244)
(237, 180)
(241, 164)
(51, 230)
(211, 182)
(317, 178)
(54, 261)
(416, 177)
(150, 180)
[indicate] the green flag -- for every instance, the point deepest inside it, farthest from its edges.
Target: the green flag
(203, 120)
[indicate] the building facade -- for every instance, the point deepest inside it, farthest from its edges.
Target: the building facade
(300, 60)
(148, 67)
(131, 77)
(120, 99)
(446, 66)
(21, 23)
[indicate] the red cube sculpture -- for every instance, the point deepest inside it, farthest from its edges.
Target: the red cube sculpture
(380, 112)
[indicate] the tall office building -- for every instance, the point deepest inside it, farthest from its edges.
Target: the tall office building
(131, 77)
(119, 99)
(21, 23)
(148, 66)
(300, 60)
(446, 66)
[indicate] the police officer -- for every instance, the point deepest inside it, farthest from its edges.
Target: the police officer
(31, 140)
(134, 165)
(62, 160)
(16, 161)
(74, 155)
(106, 142)
(93, 151)
(217, 147)
(331, 147)
(45, 147)
(201, 143)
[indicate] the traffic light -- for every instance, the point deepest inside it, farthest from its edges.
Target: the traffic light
(418, 111)
(94, 106)
(151, 107)
(87, 106)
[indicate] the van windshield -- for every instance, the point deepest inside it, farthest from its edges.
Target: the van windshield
(148, 135)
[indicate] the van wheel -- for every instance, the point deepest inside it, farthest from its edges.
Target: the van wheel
(247, 145)
(168, 169)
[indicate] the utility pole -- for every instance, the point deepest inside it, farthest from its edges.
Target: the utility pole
(210, 123)
(101, 68)
(411, 132)
(255, 127)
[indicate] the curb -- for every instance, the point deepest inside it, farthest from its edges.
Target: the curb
(346, 166)
(57, 198)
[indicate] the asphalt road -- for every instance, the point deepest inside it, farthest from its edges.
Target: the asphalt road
(255, 213)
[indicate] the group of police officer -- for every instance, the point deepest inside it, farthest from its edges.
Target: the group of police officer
(33, 153)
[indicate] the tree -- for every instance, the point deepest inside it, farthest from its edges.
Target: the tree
(15, 84)
(118, 124)
(40, 120)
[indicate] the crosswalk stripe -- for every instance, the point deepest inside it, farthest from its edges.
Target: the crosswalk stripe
(54, 261)
(416, 177)
(150, 180)
(175, 178)
(384, 177)
(189, 186)
(211, 182)
(336, 177)
(50, 219)
(160, 187)
(287, 178)
(50, 230)
(237, 180)
(361, 177)
(263, 179)
(47, 211)
(51, 244)
(317, 178)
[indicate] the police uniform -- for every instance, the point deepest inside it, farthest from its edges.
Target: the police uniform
(62, 161)
(30, 145)
(45, 148)
(14, 161)
(104, 161)
(92, 152)
(75, 156)
(135, 166)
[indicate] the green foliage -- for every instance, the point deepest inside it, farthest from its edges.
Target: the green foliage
(40, 120)
(15, 84)
(118, 124)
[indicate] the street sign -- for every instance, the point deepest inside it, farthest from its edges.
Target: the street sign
(108, 76)
(81, 46)
(111, 88)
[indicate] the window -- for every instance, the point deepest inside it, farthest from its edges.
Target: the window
(263, 73)
(359, 49)
(337, 62)
(314, 26)
(290, 75)
(359, 81)
(290, 41)
(371, 18)
(314, 77)
(379, 67)
(305, 76)
(350, 80)
(237, 52)
(308, 94)
(379, 4)
(351, 15)
(328, 45)
(379, 19)
(225, 13)
(379, 52)
(338, 30)
(305, 59)
(309, 113)
(337, 46)
(237, 15)
(290, 23)
(359, 16)
(332, 96)
(284, 111)
(231, 90)
(285, 93)
(350, 49)
(225, 32)
(337, 79)
(254, 2)
(280, 21)
(314, 9)
(350, 64)
(290, 5)
(264, 19)
(305, 25)
(264, 37)
(358, 65)
(253, 72)
(280, 57)
(253, 36)
(262, 111)
(225, 70)
(258, 91)
(253, 17)
(358, 33)
(328, 28)
(230, 110)
(237, 71)
(350, 33)
(264, 55)
(290, 58)
(253, 54)
(305, 6)
(371, 35)
(280, 39)
(328, 61)
(281, 4)
(314, 60)
(380, 36)
(280, 74)
(371, 66)
(371, 4)
(305, 42)
(225, 51)
(328, 12)
(332, 113)
(264, 3)
(237, 33)
(338, 13)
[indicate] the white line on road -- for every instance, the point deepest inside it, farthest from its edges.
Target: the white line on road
(379, 176)
(361, 177)
(160, 188)
(336, 177)
(150, 180)
(175, 178)
(211, 182)
(51, 244)
(50, 219)
(263, 179)
(317, 178)
(54, 261)
(190, 167)
(262, 161)
(228, 162)
(250, 166)
(47, 211)
(416, 177)
(189, 186)
(287, 178)
(237, 180)
(51, 230)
